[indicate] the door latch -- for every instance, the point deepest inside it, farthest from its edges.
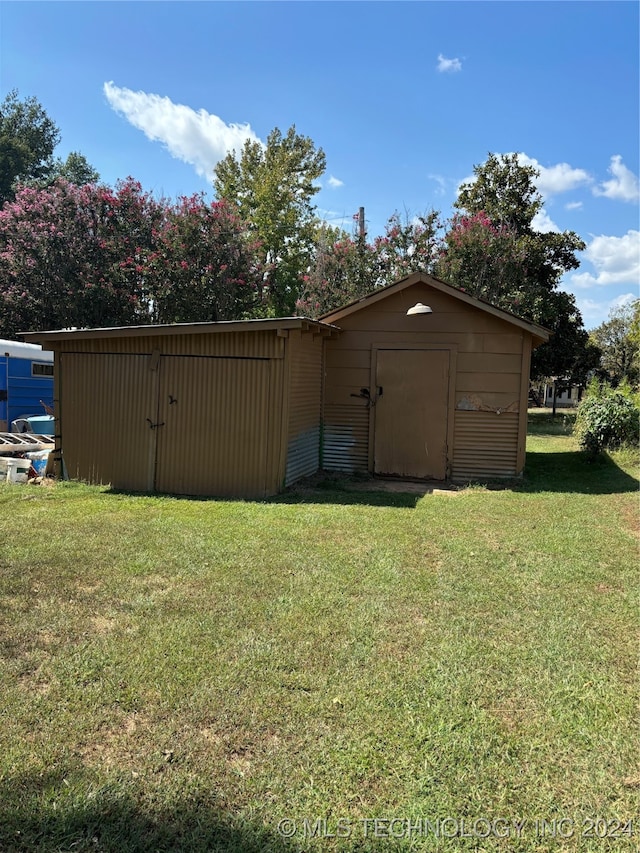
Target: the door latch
(152, 425)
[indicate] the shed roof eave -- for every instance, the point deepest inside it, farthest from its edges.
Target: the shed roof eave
(221, 326)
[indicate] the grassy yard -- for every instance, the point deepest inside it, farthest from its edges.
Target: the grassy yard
(189, 675)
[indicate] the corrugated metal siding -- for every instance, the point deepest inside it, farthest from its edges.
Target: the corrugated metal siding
(305, 401)
(256, 344)
(104, 404)
(221, 436)
(485, 445)
(345, 440)
(215, 438)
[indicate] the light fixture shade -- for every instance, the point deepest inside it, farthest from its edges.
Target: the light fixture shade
(419, 308)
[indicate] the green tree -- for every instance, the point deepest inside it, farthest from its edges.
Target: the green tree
(272, 188)
(505, 190)
(617, 338)
(28, 138)
(76, 169)
(493, 251)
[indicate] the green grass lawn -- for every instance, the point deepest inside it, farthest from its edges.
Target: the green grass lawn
(192, 675)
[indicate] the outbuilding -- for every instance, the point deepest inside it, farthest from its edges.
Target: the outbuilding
(227, 408)
(426, 381)
(416, 380)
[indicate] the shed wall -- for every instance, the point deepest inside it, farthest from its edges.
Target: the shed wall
(192, 414)
(304, 404)
(487, 386)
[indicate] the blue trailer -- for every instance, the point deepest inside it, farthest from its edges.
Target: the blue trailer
(26, 381)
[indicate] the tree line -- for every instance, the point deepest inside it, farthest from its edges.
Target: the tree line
(75, 252)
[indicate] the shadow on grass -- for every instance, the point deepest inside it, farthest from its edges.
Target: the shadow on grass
(349, 497)
(577, 472)
(47, 813)
(336, 493)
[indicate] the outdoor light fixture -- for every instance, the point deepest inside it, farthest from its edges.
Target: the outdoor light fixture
(419, 308)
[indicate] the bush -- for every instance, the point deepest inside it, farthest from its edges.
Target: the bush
(607, 420)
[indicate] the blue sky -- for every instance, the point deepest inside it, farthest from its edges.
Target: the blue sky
(404, 98)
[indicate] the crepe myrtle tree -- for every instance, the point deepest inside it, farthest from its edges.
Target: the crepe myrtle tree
(342, 269)
(95, 256)
(345, 268)
(76, 256)
(205, 266)
(410, 244)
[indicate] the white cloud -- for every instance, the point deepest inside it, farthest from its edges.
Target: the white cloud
(335, 182)
(552, 180)
(335, 219)
(448, 65)
(195, 137)
(594, 313)
(623, 186)
(440, 181)
(616, 260)
(573, 205)
(543, 223)
(556, 179)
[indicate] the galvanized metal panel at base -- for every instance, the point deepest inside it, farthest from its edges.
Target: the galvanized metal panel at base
(345, 438)
(305, 404)
(486, 445)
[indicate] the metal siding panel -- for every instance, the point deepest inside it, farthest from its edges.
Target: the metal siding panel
(258, 344)
(215, 435)
(345, 438)
(305, 402)
(485, 444)
(105, 401)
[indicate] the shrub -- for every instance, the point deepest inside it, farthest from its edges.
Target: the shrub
(607, 420)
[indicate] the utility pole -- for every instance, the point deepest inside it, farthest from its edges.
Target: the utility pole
(361, 231)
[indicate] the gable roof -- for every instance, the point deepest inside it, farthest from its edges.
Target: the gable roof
(539, 333)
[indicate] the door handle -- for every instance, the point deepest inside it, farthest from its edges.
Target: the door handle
(152, 425)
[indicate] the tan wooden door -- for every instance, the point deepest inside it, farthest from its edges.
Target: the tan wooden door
(411, 413)
(213, 416)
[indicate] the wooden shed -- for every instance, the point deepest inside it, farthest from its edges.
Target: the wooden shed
(228, 408)
(437, 394)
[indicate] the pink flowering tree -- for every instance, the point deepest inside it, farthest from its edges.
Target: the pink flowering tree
(342, 269)
(409, 245)
(75, 256)
(96, 256)
(205, 267)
